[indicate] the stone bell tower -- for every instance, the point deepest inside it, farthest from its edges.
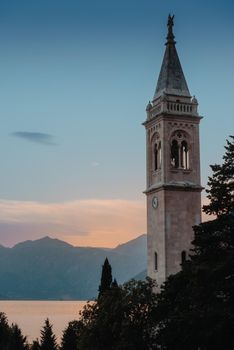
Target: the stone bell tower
(173, 167)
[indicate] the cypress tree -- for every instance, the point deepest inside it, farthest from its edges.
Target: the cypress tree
(48, 339)
(106, 278)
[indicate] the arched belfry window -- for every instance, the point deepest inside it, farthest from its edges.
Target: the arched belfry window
(184, 157)
(155, 261)
(180, 150)
(175, 154)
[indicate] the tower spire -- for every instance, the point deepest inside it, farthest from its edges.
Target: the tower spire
(171, 79)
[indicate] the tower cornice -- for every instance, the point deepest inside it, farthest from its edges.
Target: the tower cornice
(171, 117)
(174, 186)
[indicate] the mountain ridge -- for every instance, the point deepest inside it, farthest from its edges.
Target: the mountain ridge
(49, 268)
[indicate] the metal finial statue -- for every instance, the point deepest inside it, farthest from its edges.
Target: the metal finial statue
(170, 21)
(170, 24)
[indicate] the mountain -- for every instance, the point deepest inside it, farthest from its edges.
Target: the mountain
(141, 276)
(52, 269)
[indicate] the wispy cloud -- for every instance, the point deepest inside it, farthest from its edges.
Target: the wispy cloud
(38, 137)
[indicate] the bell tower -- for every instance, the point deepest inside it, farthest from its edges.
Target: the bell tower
(173, 167)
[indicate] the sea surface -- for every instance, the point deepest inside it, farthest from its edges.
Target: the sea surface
(30, 315)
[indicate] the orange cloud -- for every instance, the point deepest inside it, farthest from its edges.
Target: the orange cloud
(93, 222)
(82, 222)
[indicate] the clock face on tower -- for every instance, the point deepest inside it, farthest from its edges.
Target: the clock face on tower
(155, 202)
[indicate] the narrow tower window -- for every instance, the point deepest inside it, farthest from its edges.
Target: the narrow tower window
(175, 154)
(184, 156)
(155, 156)
(183, 256)
(159, 155)
(156, 261)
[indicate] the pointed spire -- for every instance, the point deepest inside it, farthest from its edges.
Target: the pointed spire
(171, 78)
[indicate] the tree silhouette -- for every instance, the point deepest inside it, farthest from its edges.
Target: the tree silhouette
(48, 339)
(70, 336)
(35, 345)
(17, 340)
(4, 331)
(106, 278)
(221, 184)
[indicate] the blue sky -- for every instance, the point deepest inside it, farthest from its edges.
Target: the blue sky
(75, 79)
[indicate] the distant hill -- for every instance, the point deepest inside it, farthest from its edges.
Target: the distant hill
(52, 269)
(141, 276)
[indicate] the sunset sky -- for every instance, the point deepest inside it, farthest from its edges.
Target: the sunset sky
(76, 76)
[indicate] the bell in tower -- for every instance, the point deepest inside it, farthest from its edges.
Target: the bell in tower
(173, 167)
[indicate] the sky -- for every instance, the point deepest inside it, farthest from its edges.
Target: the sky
(75, 78)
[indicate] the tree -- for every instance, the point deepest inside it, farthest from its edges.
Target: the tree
(4, 331)
(139, 306)
(17, 340)
(101, 320)
(35, 345)
(221, 184)
(71, 335)
(48, 339)
(120, 319)
(106, 277)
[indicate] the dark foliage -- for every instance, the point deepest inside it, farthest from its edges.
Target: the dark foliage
(35, 345)
(4, 331)
(221, 184)
(106, 278)
(71, 335)
(48, 339)
(120, 319)
(11, 337)
(17, 340)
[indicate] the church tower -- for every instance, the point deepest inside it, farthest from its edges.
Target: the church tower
(173, 167)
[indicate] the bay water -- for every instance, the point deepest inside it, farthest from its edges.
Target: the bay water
(30, 315)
